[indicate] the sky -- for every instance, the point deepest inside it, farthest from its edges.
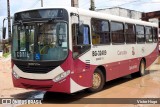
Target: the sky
(138, 5)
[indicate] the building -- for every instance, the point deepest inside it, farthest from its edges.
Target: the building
(122, 12)
(152, 17)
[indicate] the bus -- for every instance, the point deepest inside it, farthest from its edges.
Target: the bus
(70, 49)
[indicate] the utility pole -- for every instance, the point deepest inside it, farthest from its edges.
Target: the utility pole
(74, 3)
(9, 19)
(92, 7)
(41, 3)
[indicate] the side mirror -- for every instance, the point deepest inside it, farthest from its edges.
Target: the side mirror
(4, 32)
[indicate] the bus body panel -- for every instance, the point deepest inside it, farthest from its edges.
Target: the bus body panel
(118, 60)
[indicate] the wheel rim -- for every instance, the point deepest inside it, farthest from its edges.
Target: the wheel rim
(96, 80)
(142, 68)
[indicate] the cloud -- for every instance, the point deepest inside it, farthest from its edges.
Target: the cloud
(57, 3)
(3, 8)
(155, 0)
(144, 6)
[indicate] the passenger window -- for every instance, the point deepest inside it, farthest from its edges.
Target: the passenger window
(84, 37)
(140, 34)
(155, 34)
(130, 33)
(100, 31)
(117, 32)
(149, 38)
(80, 39)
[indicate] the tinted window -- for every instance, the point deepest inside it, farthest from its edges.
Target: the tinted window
(140, 33)
(83, 37)
(117, 32)
(80, 39)
(100, 31)
(155, 34)
(130, 33)
(149, 37)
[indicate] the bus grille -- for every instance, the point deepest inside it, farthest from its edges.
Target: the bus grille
(40, 87)
(36, 69)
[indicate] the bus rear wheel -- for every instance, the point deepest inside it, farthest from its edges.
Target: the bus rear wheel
(98, 81)
(141, 71)
(142, 68)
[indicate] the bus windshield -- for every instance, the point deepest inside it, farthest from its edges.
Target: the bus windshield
(40, 41)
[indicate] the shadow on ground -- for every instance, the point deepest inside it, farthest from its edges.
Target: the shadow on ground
(63, 98)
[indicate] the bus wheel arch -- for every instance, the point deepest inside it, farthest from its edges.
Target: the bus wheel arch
(142, 67)
(103, 70)
(140, 73)
(99, 79)
(144, 59)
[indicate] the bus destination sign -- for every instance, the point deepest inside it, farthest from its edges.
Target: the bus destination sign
(39, 14)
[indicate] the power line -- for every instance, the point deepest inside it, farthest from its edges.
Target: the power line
(35, 3)
(140, 2)
(148, 2)
(85, 3)
(122, 4)
(103, 3)
(128, 3)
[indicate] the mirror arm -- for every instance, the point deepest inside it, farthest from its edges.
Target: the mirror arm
(4, 29)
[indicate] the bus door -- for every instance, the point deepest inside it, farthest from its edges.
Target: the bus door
(81, 54)
(80, 46)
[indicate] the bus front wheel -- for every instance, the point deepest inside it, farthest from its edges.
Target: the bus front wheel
(98, 81)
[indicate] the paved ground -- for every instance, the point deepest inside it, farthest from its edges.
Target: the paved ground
(143, 87)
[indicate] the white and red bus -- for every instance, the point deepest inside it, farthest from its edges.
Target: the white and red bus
(69, 49)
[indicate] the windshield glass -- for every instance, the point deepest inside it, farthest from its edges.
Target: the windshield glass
(40, 41)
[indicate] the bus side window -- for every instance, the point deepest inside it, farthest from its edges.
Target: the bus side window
(100, 31)
(130, 33)
(140, 34)
(117, 32)
(155, 34)
(148, 32)
(80, 39)
(83, 37)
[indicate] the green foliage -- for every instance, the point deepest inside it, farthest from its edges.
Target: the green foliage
(5, 55)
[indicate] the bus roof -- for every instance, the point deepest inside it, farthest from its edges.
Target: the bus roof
(95, 14)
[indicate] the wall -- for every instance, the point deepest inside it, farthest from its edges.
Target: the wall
(122, 12)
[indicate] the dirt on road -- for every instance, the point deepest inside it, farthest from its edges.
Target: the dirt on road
(6, 87)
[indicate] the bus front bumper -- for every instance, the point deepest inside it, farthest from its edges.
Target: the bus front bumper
(44, 85)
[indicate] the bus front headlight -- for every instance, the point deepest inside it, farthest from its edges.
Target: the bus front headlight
(15, 75)
(61, 76)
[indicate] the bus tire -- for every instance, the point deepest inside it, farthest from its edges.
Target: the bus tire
(141, 71)
(142, 68)
(98, 81)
